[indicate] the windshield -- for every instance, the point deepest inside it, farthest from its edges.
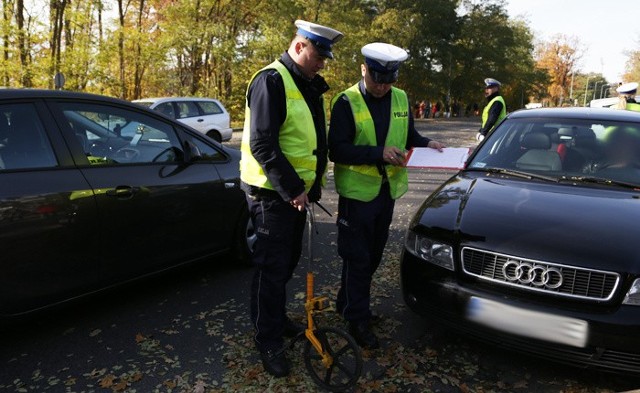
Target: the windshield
(558, 148)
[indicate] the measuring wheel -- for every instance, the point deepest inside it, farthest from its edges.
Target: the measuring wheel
(346, 366)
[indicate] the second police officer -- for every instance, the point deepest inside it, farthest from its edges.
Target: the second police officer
(371, 128)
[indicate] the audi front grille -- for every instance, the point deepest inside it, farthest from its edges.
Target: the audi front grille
(552, 278)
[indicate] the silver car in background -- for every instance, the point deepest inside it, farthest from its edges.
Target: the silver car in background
(206, 115)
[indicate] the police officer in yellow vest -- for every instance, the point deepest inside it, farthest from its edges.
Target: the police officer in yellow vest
(627, 93)
(284, 158)
(494, 111)
(371, 128)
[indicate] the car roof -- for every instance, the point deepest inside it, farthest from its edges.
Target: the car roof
(45, 93)
(607, 114)
(165, 99)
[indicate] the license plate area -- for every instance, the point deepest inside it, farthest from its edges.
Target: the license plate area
(527, 323)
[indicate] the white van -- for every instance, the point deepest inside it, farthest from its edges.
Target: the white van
(206, 115)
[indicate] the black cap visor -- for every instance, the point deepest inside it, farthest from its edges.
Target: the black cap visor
(323, 50)
(383, 77)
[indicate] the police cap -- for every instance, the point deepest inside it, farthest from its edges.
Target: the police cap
(383, 61)
(627, 88)
(321, 37)
(490, 82)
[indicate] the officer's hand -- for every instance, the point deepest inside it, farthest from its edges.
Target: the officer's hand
(479, 137)
(300, 201)
(436, 145)
(393, 156)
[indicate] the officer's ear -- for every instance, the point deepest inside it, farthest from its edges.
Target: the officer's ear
(363, 69)
(299, 47)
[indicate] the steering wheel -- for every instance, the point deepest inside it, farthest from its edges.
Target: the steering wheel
(126, 154)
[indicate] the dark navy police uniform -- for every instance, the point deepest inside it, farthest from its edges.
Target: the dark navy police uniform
(363, 227)
(278, 225)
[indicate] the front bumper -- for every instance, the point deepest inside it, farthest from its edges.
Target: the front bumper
(612, 342)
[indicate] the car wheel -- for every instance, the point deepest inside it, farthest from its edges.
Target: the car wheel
(245, 238)
(215, 135)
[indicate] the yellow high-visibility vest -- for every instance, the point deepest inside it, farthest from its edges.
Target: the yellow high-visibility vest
(363, 182)
(485, 112)
(297, 137)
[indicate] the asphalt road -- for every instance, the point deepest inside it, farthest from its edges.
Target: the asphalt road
(188, 331)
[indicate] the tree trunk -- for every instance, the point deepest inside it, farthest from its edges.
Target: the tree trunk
(123, 85)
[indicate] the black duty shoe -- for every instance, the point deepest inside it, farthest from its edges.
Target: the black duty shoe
(292, 329)
(363, 335)
(275, 363)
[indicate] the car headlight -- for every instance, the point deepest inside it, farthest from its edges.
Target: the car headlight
(633, 296)
(432, 251)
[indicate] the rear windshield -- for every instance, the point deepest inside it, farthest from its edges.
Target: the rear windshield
(570, 148)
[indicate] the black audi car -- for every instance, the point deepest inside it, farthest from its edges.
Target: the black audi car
(533, 245)
(96, 191)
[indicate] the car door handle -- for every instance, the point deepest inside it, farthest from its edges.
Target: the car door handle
(122, 191)
(200, 120)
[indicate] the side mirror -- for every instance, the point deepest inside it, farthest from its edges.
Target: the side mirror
(191, 152)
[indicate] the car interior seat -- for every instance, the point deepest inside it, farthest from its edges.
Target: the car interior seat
(167, 109)
(538, 155)
(585, 143)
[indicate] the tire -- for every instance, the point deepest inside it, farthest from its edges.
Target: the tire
(245, 238)
(344, 372)
(215, 135)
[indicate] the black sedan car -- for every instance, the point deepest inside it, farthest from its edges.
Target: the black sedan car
(96, 191)
(532, 246)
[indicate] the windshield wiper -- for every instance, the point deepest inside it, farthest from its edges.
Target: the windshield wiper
(515, 173)
(600, 180)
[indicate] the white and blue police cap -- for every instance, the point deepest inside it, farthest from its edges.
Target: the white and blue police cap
(627, 88)
(383, 61)
(490, 82)
(321, 37)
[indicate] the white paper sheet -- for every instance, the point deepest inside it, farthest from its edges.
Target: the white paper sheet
(448, 158)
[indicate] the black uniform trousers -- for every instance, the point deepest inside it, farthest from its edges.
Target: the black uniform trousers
(279, 228)
(363, 229)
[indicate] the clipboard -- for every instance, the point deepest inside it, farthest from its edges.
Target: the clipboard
(448, 158)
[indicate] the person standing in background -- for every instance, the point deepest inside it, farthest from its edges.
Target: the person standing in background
(494, 111)
(627, 96)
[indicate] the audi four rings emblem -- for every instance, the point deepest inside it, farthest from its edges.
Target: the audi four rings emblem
(527, 273)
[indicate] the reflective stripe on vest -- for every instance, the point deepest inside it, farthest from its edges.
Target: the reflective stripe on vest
(363, 182)
(297, 137)
(633, 107)
(485, 112)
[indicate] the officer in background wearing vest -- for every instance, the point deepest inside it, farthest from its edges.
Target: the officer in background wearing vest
(494, 111)
(371, 128)
(627, 96)
(284, 158)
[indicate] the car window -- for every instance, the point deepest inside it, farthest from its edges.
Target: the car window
(111, 135)
(209, 107)
(167, 109)
(23, 139)
(606, 149)
(187, 109)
